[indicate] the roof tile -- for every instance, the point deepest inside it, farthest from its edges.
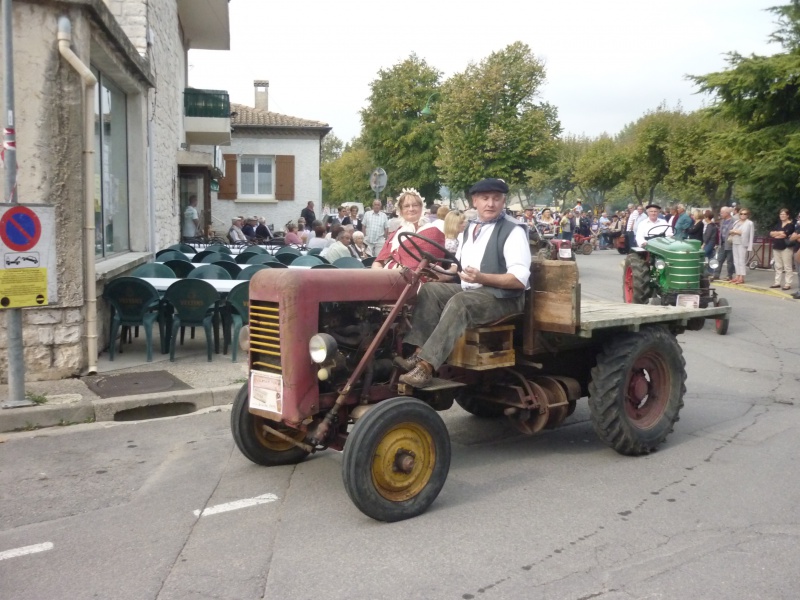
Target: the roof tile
(247, 116)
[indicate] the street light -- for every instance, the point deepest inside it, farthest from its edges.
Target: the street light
(427, 110)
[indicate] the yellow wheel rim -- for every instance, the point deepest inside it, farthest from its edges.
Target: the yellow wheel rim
(272, 442)
(403, 462)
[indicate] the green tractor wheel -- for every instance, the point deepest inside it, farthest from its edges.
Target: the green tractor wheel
(636, 280)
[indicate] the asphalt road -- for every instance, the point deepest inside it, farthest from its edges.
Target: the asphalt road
(111, 511)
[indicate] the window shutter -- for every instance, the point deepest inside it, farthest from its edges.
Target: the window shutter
(284, 177)
(227, 185)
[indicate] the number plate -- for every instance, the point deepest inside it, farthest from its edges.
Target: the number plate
(565, 252)
(688, 300)
(266, 391)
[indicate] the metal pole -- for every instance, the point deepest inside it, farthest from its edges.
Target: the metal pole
(16, 362)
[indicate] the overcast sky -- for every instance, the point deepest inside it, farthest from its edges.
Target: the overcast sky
(608, 61)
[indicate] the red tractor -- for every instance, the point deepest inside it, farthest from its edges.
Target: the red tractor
(321, 344)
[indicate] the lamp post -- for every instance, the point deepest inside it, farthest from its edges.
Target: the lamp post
(427, 110)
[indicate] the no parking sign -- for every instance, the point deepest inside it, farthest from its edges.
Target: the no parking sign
(27, 255)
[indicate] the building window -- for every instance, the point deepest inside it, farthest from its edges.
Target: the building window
(112, 226)
(256, 176)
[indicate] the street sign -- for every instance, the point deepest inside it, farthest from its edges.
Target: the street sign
(377, 180)
(20, 228)
(27, 256)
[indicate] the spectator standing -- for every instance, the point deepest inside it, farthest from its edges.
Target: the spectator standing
(741, 235)
(710, 234)
(681, 222)
(630, 227)
(454, 224)
(567, 222)
(337, 218)
(603, 224)
(375, 224)
(307, 214)
(352, 218)
(191, 219)
(725, 251)
(782, 251)
(697, 228)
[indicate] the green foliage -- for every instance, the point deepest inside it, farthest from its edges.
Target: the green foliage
(332, 148)
(558, 177)
(491, 125)
(600, 168)
(36, 398)
(396, 136)
(346, 179)
(761, 95)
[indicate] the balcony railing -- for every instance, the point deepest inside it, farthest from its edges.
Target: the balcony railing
(206, 103)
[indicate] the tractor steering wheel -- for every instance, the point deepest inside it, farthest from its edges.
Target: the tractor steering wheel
(449, 257)
(665, 226)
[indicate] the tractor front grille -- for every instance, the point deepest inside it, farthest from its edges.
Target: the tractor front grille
(265, 336)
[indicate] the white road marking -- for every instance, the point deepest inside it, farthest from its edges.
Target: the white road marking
(236, 505)
(15, 552)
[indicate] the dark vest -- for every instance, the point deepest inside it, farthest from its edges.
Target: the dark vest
(493, 259)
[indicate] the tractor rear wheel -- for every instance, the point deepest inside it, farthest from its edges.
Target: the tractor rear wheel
(636, 280)
(258, 444)
(636, 391)
(396, 459)
(586, 248)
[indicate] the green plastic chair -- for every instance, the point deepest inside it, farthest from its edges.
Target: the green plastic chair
(286, 257)
(197, 258)
(231, 267)
(261, 259)
(250, 270)
(216, 257)
(315, 251)
(185, 248)
(133, 302)
(244, 256)
(307, 261)
(209, 272)
(165, 255)
(181, 268)
(194, 304)
(238, 313)
(256, 249)
(219, 248)
(153, 270)
(324, 266)
(348, 262)
(288, 250)
(367, 262)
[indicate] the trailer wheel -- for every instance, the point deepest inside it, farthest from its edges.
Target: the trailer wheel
(721, 323)
(396, 459)
(636, 280)
(637, 389)
(478, 407)
(257, 444)
(586, 248)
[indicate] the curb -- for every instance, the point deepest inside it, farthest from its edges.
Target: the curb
(184, 401)
(752, 288)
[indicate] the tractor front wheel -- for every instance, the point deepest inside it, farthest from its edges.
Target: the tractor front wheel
(721, 323)
(636, 280)
(396, 459)
(257, 443)
(637, 389)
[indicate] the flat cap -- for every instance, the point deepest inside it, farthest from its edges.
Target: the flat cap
(489, 185)
(652, 205)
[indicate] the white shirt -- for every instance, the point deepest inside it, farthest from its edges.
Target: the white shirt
(631, 224)
(517, 253)
(644, 227)
(189, 217)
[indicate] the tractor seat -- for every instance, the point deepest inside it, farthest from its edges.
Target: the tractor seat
(487, 346)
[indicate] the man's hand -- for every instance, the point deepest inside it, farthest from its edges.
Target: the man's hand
(470, 275)
(505, 281)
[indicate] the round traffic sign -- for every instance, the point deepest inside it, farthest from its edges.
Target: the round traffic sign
(20, 228)
(377, 180)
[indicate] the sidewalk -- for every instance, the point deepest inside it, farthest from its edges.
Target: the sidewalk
(184, 386)
(195, 382)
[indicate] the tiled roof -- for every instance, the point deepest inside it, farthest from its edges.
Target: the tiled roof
(247, 116)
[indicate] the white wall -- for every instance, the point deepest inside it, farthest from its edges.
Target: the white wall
(277, 212)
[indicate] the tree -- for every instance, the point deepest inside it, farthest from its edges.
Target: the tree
(332, 148)
(646, 143)
(397, 138)
(346, 179)
(558, 177)
(599, 170)
(491, 125)
(762, 95)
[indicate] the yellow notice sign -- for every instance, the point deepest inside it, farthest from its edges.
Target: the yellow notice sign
(23, 287)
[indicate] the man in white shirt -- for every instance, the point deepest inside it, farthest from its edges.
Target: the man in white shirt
(653, 223)
(496, 259)
(191, 220)
(375, 227)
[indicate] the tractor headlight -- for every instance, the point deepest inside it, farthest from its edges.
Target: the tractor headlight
(713, 264)
(321, 347)
(660, 264)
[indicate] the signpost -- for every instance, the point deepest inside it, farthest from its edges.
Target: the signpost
(377, 181)
(27, 255)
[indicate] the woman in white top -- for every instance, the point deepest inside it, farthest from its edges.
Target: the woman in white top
(741, 236)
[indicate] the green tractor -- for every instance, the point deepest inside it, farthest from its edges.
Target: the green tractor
(671, 272)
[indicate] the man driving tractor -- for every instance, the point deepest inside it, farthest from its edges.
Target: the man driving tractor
(496, 260)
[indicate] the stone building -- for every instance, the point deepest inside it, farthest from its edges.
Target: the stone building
(272, 167)
(144, 162)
